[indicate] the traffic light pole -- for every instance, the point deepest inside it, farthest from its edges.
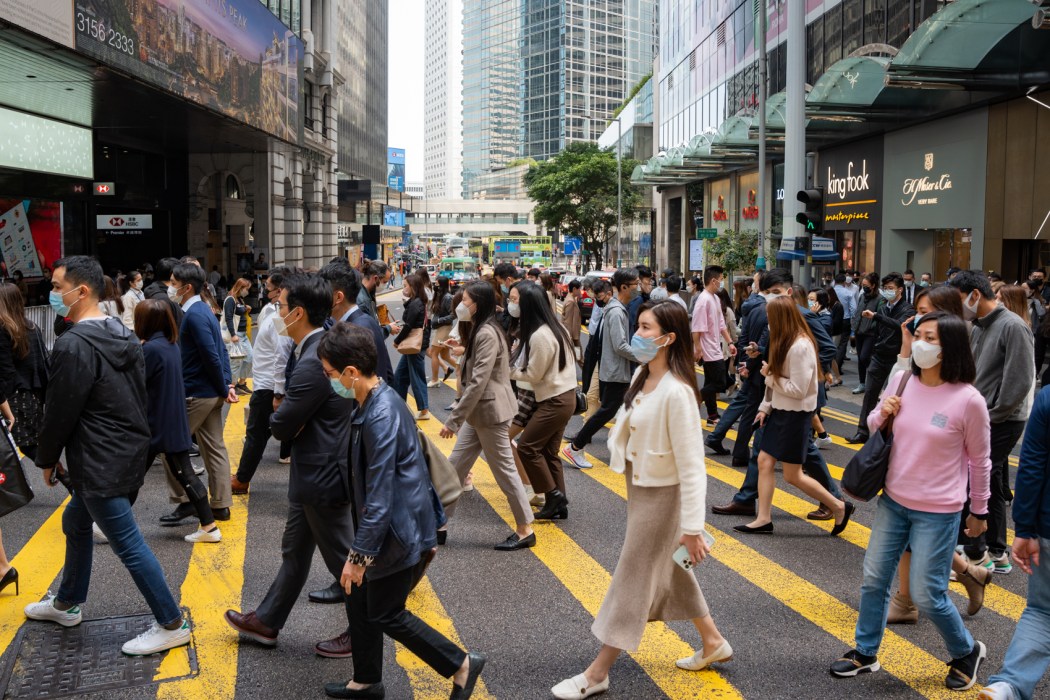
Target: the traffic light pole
(763, 191)
(795, 132)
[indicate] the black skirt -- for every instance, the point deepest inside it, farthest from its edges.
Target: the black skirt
(786, 435)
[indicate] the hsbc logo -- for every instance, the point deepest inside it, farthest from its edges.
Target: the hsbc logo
(116, 222)
(124, 222)
(105, 189)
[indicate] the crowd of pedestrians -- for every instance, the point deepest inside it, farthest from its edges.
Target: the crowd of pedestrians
(146, 371)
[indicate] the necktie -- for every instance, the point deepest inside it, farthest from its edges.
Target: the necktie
(289, 368)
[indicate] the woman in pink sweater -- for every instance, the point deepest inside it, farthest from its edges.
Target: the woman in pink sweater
(940, 441)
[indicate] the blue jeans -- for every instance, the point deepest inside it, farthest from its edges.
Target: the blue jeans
(114, 518)
(411, 369)
(932, 537)
(814, 466)
(732, 413)
(1029, 652)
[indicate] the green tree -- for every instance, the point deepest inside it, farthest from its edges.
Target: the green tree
(575, 193)
(733, 250)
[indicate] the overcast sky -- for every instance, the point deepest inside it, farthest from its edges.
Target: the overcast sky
(405, 75)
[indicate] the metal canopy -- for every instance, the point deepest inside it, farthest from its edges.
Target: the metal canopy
(850, 82)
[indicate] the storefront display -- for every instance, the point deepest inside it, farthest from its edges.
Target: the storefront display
(30, 236)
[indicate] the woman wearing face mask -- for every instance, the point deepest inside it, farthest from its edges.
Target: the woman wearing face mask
(940, 444)
(486, 404)
(694, 286)
(864, 330)
(666, 493)
(825, 303)
(411, 368)
(132, 296)
(442, 315)
(233, 309)
(791, 373)
(523, 390)
(543, 366)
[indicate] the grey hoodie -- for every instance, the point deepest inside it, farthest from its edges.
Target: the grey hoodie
(1004, 350)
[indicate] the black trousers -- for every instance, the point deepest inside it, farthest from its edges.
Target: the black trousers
(309, 527)
(178, 464)
(1003, 439)
(377, 607)
(843, 345)
(257, 434)
(611, 394)
(865, 346)
(878, 372)
(714, 382)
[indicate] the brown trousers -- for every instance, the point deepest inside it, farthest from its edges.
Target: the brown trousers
(539, 444)
(205, 417)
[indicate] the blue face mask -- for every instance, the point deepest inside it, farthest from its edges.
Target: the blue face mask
(645, 349)
(58, 302)
(337, 387)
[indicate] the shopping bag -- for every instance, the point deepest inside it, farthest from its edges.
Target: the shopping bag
(15, 490)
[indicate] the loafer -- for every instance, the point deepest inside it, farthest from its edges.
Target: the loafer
(336, 648)
(328, 596)
(249, 625)
(734, 508)
(221, 513)
(239, 488)
(181, 512)
(576, 687)
(716, 448)
(514, 542)
(766, 529)
(477, 663)
(820, 513)
(839, 527)
(698, 662)
(339, 690)
(857, 439)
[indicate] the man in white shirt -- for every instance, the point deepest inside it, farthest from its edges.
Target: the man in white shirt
(846, 292)
(268, 377)
(674, 286)
(709, 328)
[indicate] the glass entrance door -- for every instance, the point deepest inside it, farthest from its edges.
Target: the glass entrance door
(952, 249)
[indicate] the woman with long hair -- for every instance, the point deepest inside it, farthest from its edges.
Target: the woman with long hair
(838, 327)
(442, 316)
(166, 409)
(547, 282)
(131, 288)
(939, 462)
(233, 309)
(1014, 298)
(544, 365)
(741, 291)
(791, 373)
(663, 463)
(481, 418)
(110, 303)
(411, 368)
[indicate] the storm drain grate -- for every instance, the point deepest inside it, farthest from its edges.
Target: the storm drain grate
(49, 661)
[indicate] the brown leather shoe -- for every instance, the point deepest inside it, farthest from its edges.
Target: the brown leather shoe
(974, 580)
(733, 508)
(249, 625)
(821, 513)
(239, 488)
(338, 648)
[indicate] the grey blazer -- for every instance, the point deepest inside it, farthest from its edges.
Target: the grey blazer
(486, 396)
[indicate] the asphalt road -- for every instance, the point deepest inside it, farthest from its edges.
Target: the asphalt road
(786, 603)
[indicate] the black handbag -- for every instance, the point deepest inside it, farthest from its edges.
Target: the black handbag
(865, 475)
(581, 402)
(15, 490)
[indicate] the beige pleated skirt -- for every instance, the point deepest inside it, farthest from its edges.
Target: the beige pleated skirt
(647, 585)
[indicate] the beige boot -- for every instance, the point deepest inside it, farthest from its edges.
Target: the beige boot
(974, 580)
(902, 611)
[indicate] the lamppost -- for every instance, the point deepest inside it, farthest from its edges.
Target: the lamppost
(619, 189)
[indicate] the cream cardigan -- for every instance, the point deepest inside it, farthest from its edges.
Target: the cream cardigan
(542, 375)
(797, 391)
(664, 443)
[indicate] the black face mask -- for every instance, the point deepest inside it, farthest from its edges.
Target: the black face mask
(868, 291)
(600, 302)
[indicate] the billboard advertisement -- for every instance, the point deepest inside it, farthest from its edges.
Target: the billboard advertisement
(395, 169)
(231, 56)
(30, 235)
(52, 19)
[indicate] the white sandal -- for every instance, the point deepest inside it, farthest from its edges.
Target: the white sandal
(576, 687)
(697, 662)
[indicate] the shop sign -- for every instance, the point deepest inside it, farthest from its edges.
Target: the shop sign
(720, 213)
(751, 210)
(124, 224)
(852, 180)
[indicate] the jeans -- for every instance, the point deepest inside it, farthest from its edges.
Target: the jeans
(257, 434)
(1004, 438)
(1028, 655)
(612, 394)
(878, 372)
(932, 538)
(412, 369)
(732, 413)
(114, 518)
(814, 466)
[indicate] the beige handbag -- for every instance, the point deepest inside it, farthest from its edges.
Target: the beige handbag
(443, 476)
(412, 344)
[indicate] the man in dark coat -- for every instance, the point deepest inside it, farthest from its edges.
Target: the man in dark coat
(158, 289)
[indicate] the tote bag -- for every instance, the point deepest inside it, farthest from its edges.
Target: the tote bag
(865, 475)
(15, 490)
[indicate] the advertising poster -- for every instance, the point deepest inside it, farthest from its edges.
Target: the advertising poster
(52, 19)
(395, 169)
(30, 235)
(232, 56)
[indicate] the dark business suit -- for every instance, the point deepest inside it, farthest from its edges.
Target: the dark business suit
(317, 422)
(360, 317)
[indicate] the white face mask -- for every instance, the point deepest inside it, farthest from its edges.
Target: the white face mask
(463, 312)
(514, 309)
(925, 355)
(849, 279)
(970, 311)
(171, 293)
(137, 285)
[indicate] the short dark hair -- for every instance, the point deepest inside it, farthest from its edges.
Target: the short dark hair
(600, 286)
(374, 268)
(840, 278)
(968, 280)
(343, 278)
(84, 270)
(188, 273)
(346, 345)
(995, 277)
(674, 284)
(574, 285)
(712, 271)
(624, 275)
(823, 298)
(504, 270)
(957, 363)
(644, 272)
(312, 293)
(774, 277)
(154, 315)
(1036, 269)
(894, 278)
(872, 278)
(534, 272)
(164, 267)
(909, 272)
(277, 275)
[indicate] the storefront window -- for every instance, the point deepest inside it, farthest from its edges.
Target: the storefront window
(952, 249)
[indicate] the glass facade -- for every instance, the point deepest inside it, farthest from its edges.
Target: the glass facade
(504, 183)
(362, 100)
(288, 11)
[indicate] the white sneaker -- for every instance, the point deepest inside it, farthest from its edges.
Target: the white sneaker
(100, 537)
(858, 390)
(423, 415)
(822, 442)
(434, 384)
(576, 688)
(698, 662)
(998, 691)
(198, 469)
(157, 639)
(45, 610)
(284, 460)
(576, 458)
(202, 535)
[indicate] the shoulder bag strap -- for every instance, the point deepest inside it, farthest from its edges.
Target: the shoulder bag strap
(888, 425)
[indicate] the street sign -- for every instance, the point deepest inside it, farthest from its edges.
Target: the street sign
(707, 233)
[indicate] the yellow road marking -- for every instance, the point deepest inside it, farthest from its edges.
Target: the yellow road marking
(898, 656)
(587, 581)
(426, 683)
(212, 585)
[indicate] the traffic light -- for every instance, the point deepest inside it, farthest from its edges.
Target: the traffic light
(812, 219)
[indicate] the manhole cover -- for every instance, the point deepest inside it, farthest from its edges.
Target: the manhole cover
(49, 661)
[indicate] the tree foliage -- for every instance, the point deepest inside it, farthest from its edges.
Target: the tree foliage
(733, 250)
(575, 193)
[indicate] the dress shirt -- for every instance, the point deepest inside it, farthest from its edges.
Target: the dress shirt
(190, 302)
(270, 356)
(848, 299)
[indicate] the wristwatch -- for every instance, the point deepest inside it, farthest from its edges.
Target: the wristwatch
(980, 516)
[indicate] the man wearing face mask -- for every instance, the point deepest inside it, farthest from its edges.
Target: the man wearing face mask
(601, 292)
(374, 274)
(507, 276)
(909, 287)
(926, 281)
(316, 419)
(846, 292)
(1004, 350)
(161, 287)
(645, 289)
(888, 320)
(206, 375)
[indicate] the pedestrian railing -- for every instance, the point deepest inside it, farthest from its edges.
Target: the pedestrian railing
(44, 319)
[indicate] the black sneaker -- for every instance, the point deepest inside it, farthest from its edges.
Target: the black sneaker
(854, 663)
(716, 448)
(962, 673)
